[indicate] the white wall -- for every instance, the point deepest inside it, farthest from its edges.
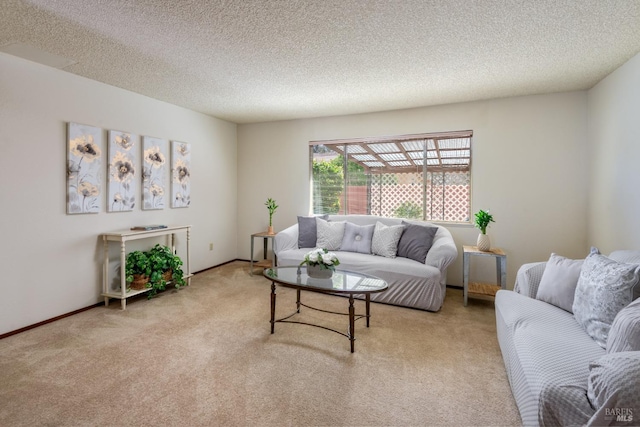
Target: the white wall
(614, 141)
(50, 260)
(529, 169)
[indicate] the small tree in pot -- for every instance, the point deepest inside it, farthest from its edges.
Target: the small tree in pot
(271, 206)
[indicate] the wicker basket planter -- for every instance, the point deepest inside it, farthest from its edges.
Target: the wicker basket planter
(140, 282)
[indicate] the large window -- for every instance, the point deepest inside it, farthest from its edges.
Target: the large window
(426, 176)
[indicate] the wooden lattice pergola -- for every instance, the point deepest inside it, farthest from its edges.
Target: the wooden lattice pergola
(446, 152)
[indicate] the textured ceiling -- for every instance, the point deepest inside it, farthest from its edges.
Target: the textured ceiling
(263, 60)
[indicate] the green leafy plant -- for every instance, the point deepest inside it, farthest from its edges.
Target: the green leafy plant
(156, 264)
(409, 210)
(482, 220)
(137, 263)
(355, 172)
(271, 206)
(328, 184)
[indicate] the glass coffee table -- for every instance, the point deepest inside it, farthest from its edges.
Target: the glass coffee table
(347, 283)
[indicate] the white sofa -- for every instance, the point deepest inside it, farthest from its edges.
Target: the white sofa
(559, 374)
(411, 283)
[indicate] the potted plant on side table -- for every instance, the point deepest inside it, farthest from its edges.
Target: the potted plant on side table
(483, 218)
(271, 206)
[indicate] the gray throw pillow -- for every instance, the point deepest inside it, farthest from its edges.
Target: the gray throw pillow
(624, 334)
(604, 288)
(559, 281)
(385, 239)
(329, 234)
(308, 231)
(416, 240)
(357, 238)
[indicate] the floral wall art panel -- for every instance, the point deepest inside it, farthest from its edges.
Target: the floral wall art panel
(180, 174)
(84, 169)
(122, 161)
(154, 171)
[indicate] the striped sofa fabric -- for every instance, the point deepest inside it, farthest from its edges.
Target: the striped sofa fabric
(551, 361)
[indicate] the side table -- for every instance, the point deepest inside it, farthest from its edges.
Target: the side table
(487, 289)
(265, 263)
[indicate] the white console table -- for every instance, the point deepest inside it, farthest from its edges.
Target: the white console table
(127, 235)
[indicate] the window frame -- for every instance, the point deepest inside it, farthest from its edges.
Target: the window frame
(399, 140)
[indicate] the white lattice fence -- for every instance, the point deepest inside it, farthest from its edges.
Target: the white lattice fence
(447, 195)
(390, 191)
(457, 203)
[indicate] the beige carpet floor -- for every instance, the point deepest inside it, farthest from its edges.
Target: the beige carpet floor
(203, 356)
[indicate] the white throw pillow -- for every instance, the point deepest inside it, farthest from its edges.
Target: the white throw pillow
(329, 234)
(604, 288)
(559, 281)
(385, 239)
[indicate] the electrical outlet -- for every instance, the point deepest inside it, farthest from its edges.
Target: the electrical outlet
(210, 246)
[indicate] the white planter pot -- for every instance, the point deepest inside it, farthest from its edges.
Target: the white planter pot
(484, 244)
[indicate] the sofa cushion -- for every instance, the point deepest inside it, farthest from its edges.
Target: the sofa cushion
(604, 288)
(614, 387)
(550, 344)
(628, 257)
(415, 241)
(329, 234)
(308, 231)
(624, 334)
(385, 239)
(559, 281)
(548, 348)
(357, 238)
(411, 284)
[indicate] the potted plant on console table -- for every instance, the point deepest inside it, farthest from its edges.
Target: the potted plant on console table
(154, 269)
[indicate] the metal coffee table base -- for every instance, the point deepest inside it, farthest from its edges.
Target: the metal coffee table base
(352, 315)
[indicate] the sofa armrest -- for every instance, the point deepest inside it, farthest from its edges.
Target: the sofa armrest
(443, 252)
(528, 278)
(612, 389)
(286, 240)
